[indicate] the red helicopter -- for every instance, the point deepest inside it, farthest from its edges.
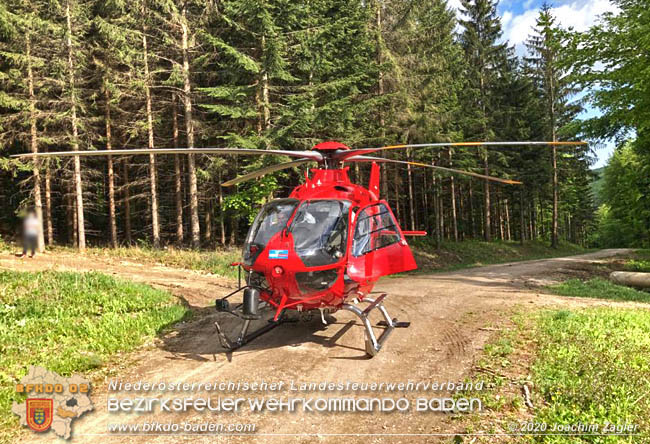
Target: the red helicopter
(326, 245)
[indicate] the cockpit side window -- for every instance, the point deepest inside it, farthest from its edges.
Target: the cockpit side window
(376, 228)
(319, 231)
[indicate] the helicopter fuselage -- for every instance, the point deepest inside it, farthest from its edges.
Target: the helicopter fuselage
(330, 241)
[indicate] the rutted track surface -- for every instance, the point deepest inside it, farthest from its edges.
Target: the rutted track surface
(449, 313)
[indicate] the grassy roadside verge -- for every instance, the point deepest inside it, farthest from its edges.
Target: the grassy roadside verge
(592, 367)
(579, 366)
(599, 288)
(72, 323)
(452, 255)
(583, 366)
(474, 253)
(215, 261)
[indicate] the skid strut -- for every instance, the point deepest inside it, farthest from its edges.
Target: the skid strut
(373, 345)
(244, 337)
(248, 311)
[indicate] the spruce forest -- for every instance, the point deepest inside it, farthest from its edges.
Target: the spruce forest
(279, 74)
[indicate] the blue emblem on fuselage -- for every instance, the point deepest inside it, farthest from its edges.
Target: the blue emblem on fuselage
(278, 254)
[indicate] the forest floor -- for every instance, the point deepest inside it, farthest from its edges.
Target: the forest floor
(453, 316)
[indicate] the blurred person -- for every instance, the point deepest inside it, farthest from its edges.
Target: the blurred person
(31, 231)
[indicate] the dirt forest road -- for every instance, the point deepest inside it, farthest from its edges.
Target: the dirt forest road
(452, 316)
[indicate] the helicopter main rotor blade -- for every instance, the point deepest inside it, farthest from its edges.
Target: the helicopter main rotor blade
(435, 167)
(266, 170)
(311, 155)
(342, 155)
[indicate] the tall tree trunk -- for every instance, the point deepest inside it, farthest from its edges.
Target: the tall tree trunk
(522, 228)
(48, 204)
(452, 191)
(222, 218)
(500, 218)
(380, 93)
(436, 206)
(112, 223)
(531, 231)
(127, 203)
(507, 210)
(266, 105)
(69, 214)
(471, 211)
(554, 223)
(461, 212)
(178, 178)
(441, 203)
(411, 197)
(425, 187)
(81, 231)
(534, 217)
(38, 203)
(208, 222)
(397, 197)
(234, 222)
(189, 127)
(155, 227)
(487, 233)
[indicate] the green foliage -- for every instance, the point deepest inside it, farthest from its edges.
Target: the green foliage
(638, 265)
(71, 322)
(621, 90)
(600, 289)
(592, 368)
(640, 261)
(597, 185)
(624, 218)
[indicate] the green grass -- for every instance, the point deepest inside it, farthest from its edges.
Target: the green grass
(587, 366)
(216, 262)
(639, 262)
(474, 253)
(72, 322)
(600, 289)
(592, 366)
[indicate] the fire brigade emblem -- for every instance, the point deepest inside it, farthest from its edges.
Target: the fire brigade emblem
(39, 414)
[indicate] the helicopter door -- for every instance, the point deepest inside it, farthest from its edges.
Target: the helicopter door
(378, 247)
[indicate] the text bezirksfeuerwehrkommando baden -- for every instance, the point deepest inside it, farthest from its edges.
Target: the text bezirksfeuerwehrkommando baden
(291, 386)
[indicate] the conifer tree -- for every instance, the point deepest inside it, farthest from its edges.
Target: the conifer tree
(484, 54)
(545, 65)
(24, 74)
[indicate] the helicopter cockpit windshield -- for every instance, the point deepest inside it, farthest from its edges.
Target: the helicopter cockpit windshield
(273, 218)
(319, 230)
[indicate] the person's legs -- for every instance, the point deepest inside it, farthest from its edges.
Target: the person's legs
(32, 242)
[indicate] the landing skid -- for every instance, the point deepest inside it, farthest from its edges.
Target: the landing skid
(244, 337)
(374, 344)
